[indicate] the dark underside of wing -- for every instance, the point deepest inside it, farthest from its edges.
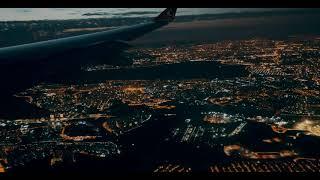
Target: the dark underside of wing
(64, 65)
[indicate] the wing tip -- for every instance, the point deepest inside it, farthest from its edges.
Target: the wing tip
(167, 15)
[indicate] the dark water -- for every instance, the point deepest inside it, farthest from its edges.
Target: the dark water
(178, 71)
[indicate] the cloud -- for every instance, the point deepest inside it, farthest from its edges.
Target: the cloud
(121, 14)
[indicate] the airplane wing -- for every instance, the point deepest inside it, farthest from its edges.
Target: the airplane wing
(53, 48)
(25, 65)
